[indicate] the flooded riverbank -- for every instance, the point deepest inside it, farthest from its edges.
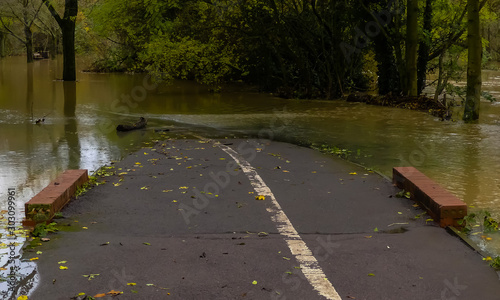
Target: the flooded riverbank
(80, 120)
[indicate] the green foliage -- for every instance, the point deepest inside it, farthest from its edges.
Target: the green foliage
(342, 153)
(43, 229)
(495, 263)
(403, 194)
(288, 47)
(481, 220)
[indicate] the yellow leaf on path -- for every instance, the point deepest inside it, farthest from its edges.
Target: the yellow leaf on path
(131, 283)
(487, 258)
(260, 197)
(23, 297)
(34, 258)
(254, 282)
(368, 236)
(85, 227)
(371, 274)
(183, 188)
(353, 173)
(137, 163)
(62, 262)
(285, 171)
(63, 267)
(174, 200)
(3, 269)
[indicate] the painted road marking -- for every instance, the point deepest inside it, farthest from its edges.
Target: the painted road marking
(308, 263)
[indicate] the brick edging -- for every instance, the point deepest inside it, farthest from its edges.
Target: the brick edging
(444, 207)
(54, 197)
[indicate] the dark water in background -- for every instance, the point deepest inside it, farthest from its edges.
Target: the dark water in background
(80, 119)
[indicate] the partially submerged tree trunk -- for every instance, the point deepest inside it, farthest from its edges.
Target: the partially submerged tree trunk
(424, 47)
(67, 24)
(411, 47)
(472, 100)
(2, 44)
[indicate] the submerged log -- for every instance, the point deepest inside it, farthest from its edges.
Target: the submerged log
(138, 125)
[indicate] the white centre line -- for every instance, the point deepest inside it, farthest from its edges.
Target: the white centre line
(308, 263)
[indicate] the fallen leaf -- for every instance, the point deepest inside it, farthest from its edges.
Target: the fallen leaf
(166, 191)
(286, 258)
(371, 274)
(34, 258)
(62, 262)
(260, 197)
(23, 297)
(131, 283)
(114, 293)
(99, 295)
(63, 267)
(254, 282)
(368, 236)
(174, 200)
(353, 173)
(85, 227)
(147, 244)
(376, 229)
(183, 188)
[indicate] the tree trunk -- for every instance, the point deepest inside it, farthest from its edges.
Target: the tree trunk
(67, 24)
(29, 44)
(411, 47)
(472, 100)
(68, 40)
(424, 47)
(2, 44)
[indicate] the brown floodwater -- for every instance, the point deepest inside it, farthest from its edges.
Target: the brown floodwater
(80, 120)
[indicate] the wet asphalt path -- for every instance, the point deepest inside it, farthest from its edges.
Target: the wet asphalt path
(182, 220)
